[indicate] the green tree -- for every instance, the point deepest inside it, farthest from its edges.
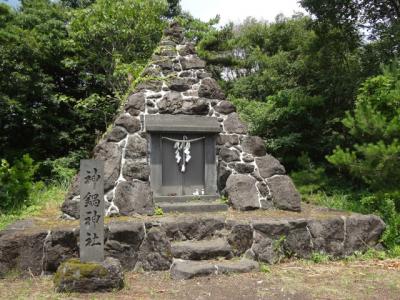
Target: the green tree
(16, 183)
(65, 66)
(302, 82)
(373, 129)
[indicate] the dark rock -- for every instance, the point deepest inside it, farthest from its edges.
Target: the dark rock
(223, 174)
(164, 64)
(171, 103)
(187, 73)
(253, 145)
(71, 202)
(256, 175)
(153, 96)
(124, 240)
(60, 246)
(167, 42)
(73, 189)
(362, 232)
(242, 266)
(266, 203)
(209, 88)
(22, 251)
(248, 158)
(74, 276)
(136, 101)
(193, 228)
(269, 166)
(134, 197)
(284, 193)
(263, 189)
(152, 110)
(225, 107)
(233, 124)
(130, 123)
(174, 32)
(189, 269)
(71, 207)
(328, 235)
(133, 112)
(180, 84)
(111, 154)
(266, 250)
(116, 134)
(187, 49)
(195, 107)
(298, 243)
(152, 71)
(151, 85)
(168, 51)
(200, 250)
(229, 155)
(176, 67)
(242, 192)
(136, 169)
(193, 62)
(243, 168)
(240, 238)
(155, 251)
(136, 147)
(273, 229)
(202, 75)
(223, 139)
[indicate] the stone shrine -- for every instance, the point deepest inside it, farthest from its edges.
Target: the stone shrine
(179, 145)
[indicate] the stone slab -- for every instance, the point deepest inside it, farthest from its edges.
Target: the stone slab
(199, 250)
(193, 206)
(91, 211)
(181, 123)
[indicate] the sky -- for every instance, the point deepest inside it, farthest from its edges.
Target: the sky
(233, 10)
(238, 10)
(10, 2)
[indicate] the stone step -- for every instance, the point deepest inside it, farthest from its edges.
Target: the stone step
(186, 198)
(199, 250)
(193, 207)
(186, 269)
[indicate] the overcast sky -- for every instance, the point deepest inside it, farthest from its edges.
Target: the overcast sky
(238, 10)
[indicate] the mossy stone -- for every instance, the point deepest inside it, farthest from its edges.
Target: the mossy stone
(84, 277)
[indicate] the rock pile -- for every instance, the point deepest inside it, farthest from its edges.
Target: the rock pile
(176, 82)
(156, 244)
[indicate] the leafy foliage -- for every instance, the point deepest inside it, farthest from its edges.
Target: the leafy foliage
(65, 66)
(16, 183)
(289, 82)
(373, 130)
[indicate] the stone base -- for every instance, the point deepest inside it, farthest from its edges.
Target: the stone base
(152, 243)
(75, 276)
(186, 269)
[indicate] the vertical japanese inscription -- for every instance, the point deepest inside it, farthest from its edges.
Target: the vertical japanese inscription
(91, 211)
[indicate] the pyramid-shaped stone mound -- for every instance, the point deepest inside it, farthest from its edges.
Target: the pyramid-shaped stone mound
(178, 139)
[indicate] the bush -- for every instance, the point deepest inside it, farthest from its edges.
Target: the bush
(16, 183)
(373, 128)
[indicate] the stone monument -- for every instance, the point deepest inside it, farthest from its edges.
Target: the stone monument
(179, 139)
(91, 273)
(92, 211)
(179, 144)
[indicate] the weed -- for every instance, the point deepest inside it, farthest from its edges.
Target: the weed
(158, 211)
(264, 268)
(320, 257)
(224, 200)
